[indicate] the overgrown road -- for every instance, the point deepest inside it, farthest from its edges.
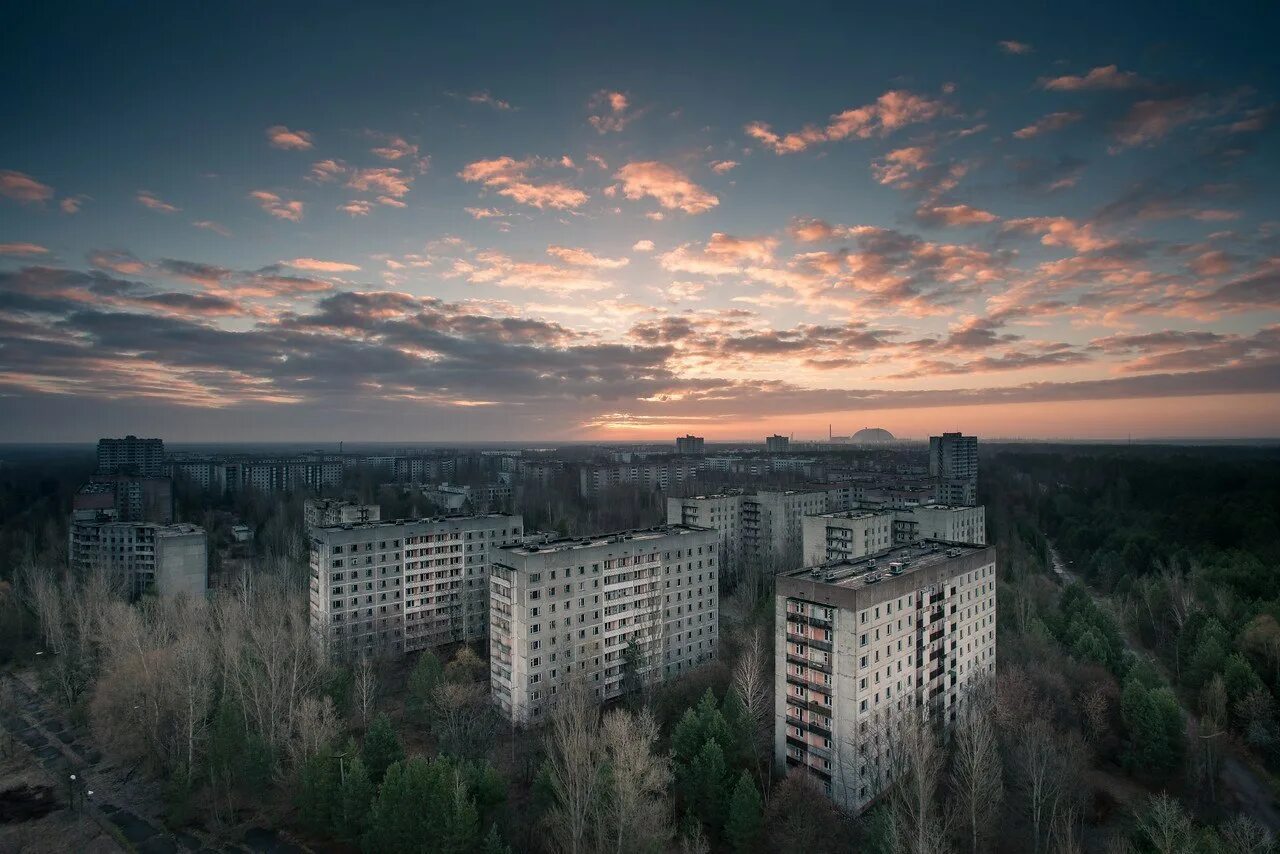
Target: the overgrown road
(1251, 793)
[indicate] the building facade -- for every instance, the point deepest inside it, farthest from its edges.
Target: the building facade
(566, 612)
(953, 464)
(385, 589)
(776, 444)
(690, 444)
(654, 476)
(131, 455)
(325, 512)
(143, 558)
(853, 534)
(866, 647)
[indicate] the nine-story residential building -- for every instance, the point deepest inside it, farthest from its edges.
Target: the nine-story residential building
(599, 611)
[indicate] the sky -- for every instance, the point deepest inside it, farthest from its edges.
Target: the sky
(325, 221)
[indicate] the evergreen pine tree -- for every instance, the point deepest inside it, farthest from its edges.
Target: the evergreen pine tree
(426, 675)
(493, 843)
(381, 747)
(355, 797)
(745, 824)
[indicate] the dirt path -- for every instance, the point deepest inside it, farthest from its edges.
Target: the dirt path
(1251, 793)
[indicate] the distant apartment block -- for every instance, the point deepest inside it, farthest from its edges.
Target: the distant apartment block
(690, 444)
(142, 557)
(953, 463)
(131, 455)
(566, 612)
(863, 645)
(132, 498)
(776, 444)
(760, 526)
(853, 534)
(654, 476)
(389, 588)
(324, 512)
(311, 472)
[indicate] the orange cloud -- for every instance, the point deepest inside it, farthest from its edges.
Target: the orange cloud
(642, 246)
(671, 187)
(21, 187)
(509, 177)
(278, 207)
(210, 225)
(1060, 231)
(281, 137)
(22, 249)
(615, 116)
(954, 215)
(72, 204)
(148, 199)
(1046, 124)
(892, 110)
(317, 266)
(720, 167)
(1015, 47)
(1102, 77)
(583, 258)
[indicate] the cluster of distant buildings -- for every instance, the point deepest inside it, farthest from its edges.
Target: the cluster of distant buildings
(884, 600)
(884, 587)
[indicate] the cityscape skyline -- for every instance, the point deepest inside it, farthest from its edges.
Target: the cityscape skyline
(996, 222)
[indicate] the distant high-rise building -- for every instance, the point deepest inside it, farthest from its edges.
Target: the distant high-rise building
(690, 444)
(565, 613)
(131, 455)
(867, 646)
(385, 589)
(141, 557)
(776, 444)
(133, 498)
(953, 463)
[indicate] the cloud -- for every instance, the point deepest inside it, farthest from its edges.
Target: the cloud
(72, 204)
(326, 171)
(613, 111)
(488, 100)
(210, 225)
(720, 167)
(509, 177)
(1048, 124)
(497, 268)
(117, 261)
(281, 137)
(1149, 121)
(21, 250)
(583, 258)
(1060, 231)
(388, 181)
(811, 230)
(356, 207)
(1102, 77)
(893, 110)
(898, 166)
(642, 246)
(278, 207)
(393, 147)
(668, 185)
(1014, 47)
(21, 187)
(485, 213)
(148, 199)
(315, 265)
(954, 215)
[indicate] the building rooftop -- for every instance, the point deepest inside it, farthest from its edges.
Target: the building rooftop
(890, 563)
(855, 514)
(390, 523)
(569, 543)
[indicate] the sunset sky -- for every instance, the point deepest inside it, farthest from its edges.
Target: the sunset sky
(327, 221)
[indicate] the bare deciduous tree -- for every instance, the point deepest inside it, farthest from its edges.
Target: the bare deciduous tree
(573, 767)
(1166, 825)
(637, 811)
(752, 682)
(917, 761)
(364, 689)
(976, 773)
(1243, 835)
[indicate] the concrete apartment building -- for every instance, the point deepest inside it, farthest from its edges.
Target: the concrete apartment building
(312, 472)
(756, 526)
(862, 646)
(953, 464)
(326, 512)
(389, 588)
(659, 476)
(690, 445)
(144, 558)
(133, 498)
(566, 611)
(776, 444)
(852, 534)
(131, 455)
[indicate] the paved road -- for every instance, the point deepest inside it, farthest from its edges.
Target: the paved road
(1251, 793)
